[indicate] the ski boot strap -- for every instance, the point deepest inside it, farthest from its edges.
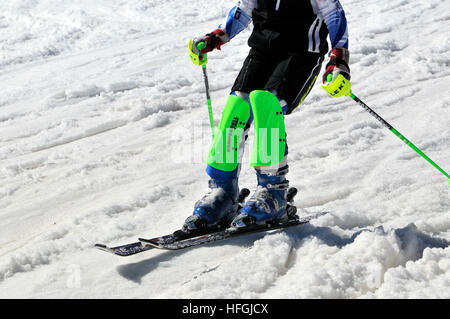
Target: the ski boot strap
(279, 172)
(279, 186)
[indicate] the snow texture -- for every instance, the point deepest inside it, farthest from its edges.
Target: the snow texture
(104, 133)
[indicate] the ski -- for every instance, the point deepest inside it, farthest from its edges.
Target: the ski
(226, 234)
(180, 240)
(137, 247)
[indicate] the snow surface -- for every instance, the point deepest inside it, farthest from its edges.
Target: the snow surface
(104, 133)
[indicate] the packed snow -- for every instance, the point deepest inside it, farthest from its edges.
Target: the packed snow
(104, 133)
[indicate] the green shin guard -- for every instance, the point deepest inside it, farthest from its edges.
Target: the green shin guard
(270, 137)
(224, 152)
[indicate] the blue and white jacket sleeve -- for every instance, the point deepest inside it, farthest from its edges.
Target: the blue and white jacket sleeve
(334, 16)
(238, 18)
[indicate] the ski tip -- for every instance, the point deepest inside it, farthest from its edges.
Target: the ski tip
(100, 246)
(104, 248)
(124, 250)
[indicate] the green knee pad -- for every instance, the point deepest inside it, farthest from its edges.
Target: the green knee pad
(224, 152)
(270, 136)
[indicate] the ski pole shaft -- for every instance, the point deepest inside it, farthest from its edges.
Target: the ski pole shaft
(398, 134)
(200, 46)
(208, 99)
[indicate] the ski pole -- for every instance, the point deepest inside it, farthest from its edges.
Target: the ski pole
(208, 99)
(342, 86)
(398, 134)
(200, 46)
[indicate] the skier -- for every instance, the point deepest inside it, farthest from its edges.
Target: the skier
(287, 47)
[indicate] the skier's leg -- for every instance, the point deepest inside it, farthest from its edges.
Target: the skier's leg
(220, 204)
(270, 137)
(224, 154)
(269, 159)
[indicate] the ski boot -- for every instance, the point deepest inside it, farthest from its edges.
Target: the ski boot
(269, 204)
(216, 209)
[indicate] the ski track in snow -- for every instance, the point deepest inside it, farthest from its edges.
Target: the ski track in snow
(104, 131)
